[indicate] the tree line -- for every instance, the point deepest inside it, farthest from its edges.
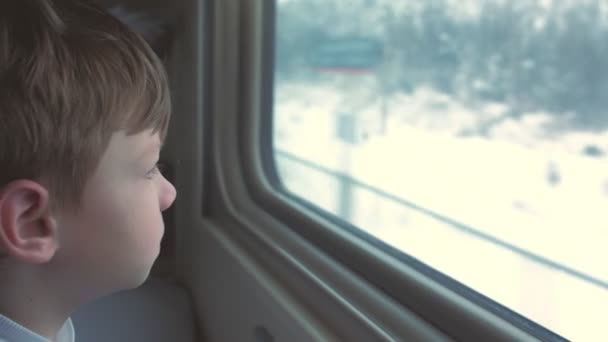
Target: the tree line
(549, 56)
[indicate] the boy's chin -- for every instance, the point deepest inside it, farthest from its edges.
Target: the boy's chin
(141, 279)
(133, 280)
(118, 279)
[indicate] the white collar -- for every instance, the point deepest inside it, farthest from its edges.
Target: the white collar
(66, 334)
(11, 331)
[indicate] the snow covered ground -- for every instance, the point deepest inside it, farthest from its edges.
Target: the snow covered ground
(528, 182)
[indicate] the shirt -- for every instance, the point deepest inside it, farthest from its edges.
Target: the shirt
(13, 332)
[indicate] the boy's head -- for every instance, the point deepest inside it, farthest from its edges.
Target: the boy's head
(84, 108)
(70, 76)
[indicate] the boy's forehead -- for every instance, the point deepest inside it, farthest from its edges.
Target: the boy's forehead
(135, 146)
(153, 146)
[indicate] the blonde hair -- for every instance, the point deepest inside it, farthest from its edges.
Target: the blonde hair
(70, 76)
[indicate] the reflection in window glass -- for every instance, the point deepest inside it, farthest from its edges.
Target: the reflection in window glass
(471, 135)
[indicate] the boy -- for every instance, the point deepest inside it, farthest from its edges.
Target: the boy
(84, 108)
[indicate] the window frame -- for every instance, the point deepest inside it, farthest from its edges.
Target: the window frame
(375, 282)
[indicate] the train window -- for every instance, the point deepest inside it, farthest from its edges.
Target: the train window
(471, 135)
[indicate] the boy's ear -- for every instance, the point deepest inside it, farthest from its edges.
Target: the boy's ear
(28, 231)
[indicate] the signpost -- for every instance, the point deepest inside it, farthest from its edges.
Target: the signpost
(347, 55)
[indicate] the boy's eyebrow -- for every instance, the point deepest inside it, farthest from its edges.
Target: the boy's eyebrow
(157, 146)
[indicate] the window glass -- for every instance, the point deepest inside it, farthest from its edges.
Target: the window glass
(471, 135)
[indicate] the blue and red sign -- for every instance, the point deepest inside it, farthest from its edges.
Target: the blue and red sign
(348, 55)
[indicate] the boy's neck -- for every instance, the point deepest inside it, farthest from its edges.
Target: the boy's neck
(32, 302)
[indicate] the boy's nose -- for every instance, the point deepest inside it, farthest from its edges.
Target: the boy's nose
(168, 195)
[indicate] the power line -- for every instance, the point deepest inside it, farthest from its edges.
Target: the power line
(452, 223)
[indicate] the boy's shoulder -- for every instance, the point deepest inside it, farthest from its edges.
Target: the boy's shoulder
(14, 332)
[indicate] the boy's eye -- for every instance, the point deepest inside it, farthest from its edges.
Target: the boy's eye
(157, 169)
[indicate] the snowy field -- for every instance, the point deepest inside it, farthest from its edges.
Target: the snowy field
(528, 182)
